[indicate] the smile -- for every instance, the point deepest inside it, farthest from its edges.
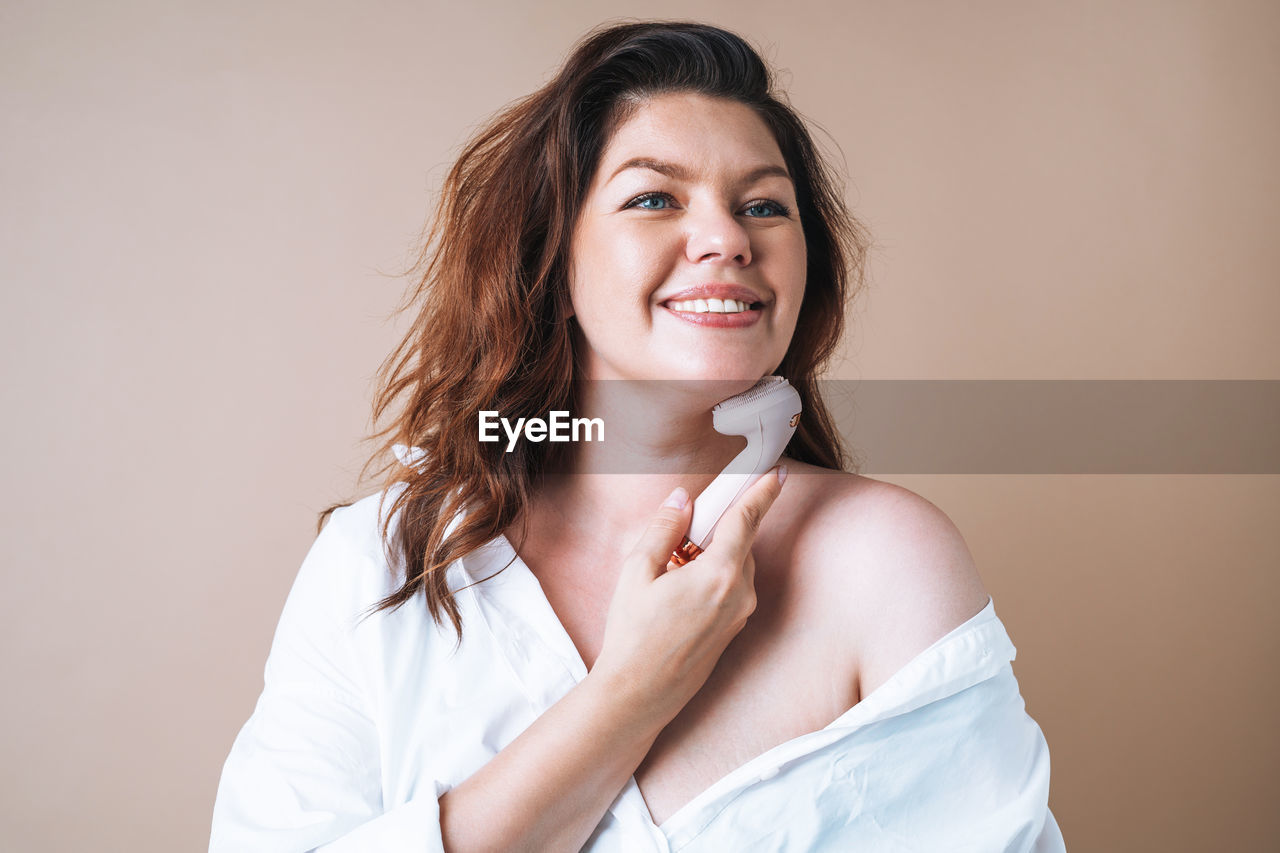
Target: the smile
(720, 313)
(710, 306)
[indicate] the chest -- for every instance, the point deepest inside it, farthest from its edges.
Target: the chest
(789, 672)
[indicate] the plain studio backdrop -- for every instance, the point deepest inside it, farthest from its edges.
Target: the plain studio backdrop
(204, 208)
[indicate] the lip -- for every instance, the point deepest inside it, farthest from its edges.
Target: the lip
(716, 290)
(721, 321)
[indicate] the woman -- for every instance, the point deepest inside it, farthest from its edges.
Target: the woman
(648, 234)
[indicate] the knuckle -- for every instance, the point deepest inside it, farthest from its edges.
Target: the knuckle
(667, 522)
(724, 583)
(711, 587)
(752, 515)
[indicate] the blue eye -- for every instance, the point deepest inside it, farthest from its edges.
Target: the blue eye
(652, 201)
(765, 210)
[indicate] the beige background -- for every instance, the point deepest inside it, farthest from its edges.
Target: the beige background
(200, 201)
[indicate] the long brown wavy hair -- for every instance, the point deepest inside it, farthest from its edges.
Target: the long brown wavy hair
(493, 328)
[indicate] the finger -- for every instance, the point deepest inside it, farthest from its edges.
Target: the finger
(665, 532)
(737, 528)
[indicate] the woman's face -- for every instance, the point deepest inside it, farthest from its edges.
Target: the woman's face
(691, 205)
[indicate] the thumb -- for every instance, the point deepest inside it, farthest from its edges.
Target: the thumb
(736, 531)
(664, 534)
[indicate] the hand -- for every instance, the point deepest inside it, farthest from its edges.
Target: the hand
(667, 625)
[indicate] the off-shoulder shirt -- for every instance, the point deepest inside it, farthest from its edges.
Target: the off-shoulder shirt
(364, 723)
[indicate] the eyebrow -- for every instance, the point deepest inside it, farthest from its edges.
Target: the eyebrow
(680, 173)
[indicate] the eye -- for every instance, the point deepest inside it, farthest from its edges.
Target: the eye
(651, 201)
(765, 209)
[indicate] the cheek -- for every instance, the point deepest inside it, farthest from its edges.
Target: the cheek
(791, 272)
(634, 252)
(616, 267)
(792, 267)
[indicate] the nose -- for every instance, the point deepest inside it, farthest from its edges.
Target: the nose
(716, 234)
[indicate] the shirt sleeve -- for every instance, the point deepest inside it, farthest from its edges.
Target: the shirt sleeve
(304, 772)
(977, 767)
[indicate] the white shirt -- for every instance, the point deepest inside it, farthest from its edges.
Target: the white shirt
(363, 725)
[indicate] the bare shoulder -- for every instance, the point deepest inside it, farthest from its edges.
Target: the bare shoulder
(899, 568)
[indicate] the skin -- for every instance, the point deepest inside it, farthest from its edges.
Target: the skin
(819, 591)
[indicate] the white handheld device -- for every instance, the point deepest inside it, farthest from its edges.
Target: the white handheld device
(766, 414)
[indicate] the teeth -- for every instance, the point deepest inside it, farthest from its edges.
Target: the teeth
(709, 306)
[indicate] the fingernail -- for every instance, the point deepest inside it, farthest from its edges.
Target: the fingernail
(782, 475)
(678, 498)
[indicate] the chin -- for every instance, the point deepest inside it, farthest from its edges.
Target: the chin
(725, 368)
(721, 379)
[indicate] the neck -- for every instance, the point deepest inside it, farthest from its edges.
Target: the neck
(657, 435)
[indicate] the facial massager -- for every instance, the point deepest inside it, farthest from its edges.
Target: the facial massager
(766, 414)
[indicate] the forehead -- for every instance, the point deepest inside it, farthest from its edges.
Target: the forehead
(694, 130)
